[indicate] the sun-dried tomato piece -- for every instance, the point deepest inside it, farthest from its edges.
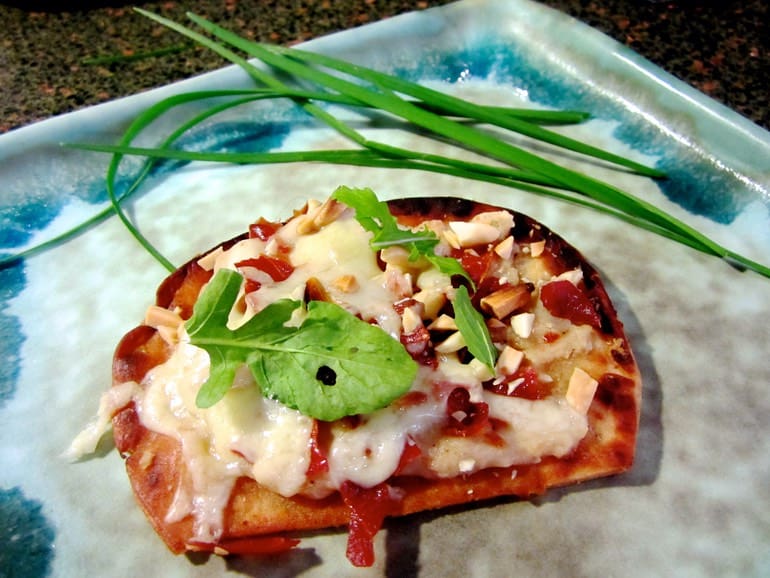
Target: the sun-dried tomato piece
(318, 462)
(263, 229)
(417, 343)
(563, 299)
(524, 384)
(466, 418)
(256, 545)
(479, 267)
(368, 509)
(278, 269)
(411, 452)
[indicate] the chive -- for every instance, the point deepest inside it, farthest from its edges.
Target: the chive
(472, 138)
(438, 101)
(432, 113)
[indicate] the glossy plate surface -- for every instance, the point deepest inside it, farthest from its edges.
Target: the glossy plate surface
(695, 502)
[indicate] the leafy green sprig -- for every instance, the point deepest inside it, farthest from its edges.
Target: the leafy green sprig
(330, 365)
(374, 216)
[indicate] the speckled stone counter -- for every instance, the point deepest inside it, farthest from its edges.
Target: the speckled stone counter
(57, 57)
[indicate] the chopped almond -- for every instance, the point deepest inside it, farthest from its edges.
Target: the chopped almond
(505, 301)
(498, 330)
(581, 390)
(522, 324)
(315, 291)
(346, 283)
(432, 301)
(505, 248)
(470, 234)
(328, 212)
(454, 342)
(443, 323)
(157, 316)
(410, 320)
(319, 215)
(209, 259)
(508, 362)
(536, 249)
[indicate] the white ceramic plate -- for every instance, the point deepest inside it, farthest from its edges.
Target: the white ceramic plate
(696, 501)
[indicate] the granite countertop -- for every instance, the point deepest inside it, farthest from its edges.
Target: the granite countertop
(54, 60)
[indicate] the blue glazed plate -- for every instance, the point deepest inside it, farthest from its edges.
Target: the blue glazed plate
(695, 501)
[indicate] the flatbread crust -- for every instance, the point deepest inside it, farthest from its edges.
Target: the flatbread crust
(155, 467)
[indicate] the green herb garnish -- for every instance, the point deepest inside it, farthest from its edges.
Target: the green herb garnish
(305, 79)
(328, 366)
(374, 216)
(471, 325)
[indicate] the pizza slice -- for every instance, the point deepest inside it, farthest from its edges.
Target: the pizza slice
(364, 360)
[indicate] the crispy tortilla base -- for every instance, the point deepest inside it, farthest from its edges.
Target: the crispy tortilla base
(155, 468)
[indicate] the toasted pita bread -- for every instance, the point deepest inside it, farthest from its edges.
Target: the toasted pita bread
(156, 468)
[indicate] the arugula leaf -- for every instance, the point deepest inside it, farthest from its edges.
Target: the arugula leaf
(331, 366)
(473, 329)
(374, 216)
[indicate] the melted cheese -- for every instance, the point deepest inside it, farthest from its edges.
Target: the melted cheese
(535, 429)
(246, 434)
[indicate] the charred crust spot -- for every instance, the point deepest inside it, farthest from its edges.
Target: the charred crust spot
(566, 256)
(127, 430)
(616, 391)
(435, 207)
(622, 355)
